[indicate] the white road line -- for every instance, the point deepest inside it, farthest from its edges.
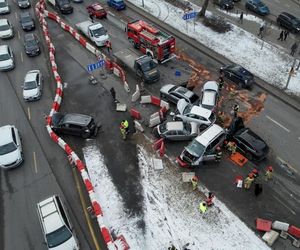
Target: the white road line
(284, 205)
(19, 35)
(16, 15)
(287, 164)
(34, 161)
(277, 123)
(21, 57)
(28, 111)
(112, 35)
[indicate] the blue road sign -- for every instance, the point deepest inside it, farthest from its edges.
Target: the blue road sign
(97, 65)
(189, 15)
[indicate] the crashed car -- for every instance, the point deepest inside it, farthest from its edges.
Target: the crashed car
(210, 94)
(96, 10)
(174, 93)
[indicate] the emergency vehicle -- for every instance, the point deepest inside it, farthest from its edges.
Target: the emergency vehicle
(151, 41)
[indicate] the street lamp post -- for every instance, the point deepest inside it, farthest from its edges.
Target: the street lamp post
(293, 66)
(143, 4)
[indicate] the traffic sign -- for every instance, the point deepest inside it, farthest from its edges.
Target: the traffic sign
(189, 15)
(97, 65)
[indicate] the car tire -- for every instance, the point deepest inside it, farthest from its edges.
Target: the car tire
(177, 119)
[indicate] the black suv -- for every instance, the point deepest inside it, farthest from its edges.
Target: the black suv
(26, 21)
(31, 45)
(74, 124)
(224, 4)
(289, 21)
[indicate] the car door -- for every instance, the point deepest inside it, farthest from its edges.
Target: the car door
(175, 97)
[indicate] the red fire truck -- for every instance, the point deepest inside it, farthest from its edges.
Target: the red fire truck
(151, 41)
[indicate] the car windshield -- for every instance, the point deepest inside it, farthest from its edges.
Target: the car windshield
(3, 4)
(118, 1)
(7, 148)
(260, 4)
(187, 109)
(99, 32)
(65, 2)
(195, 148)
(4, 57)
(4, 27)
(31, 43)
(30, 85)
(295, 22)
(146, 66)
(26, 19)
(58, 237)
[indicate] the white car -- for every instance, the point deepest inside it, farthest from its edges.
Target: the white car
(11, 154)
(4, 7)
(192, 113)
(32, 87)
(6, 30)
(210, 94)
(56, 225)
(6, 58)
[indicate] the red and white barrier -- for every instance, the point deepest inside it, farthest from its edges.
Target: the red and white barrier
(120, 242)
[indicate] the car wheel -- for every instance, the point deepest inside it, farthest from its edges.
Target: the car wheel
(177, 119)
(203, 127)
(85, 135)
(249, 156)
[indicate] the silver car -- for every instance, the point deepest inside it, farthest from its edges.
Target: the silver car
(192, 113)
(174, 93)
(177, 131)
(32, 86)
(210, 94)
(6, 58)
(6, 30)
(4, 7)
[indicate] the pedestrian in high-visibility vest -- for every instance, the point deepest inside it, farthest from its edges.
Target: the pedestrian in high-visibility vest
(123, 129)
(248, 181)
(202, 207)
(125, 124)
(269, 173)
(194, 181)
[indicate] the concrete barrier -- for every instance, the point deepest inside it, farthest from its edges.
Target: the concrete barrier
(278, 225)
(136, 95)
(138, 126)
(154, 119)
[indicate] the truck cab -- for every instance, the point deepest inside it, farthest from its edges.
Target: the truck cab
(146, 68)
(116, 4)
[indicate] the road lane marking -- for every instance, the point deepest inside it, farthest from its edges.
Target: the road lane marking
(112, 35)
(84, 207)
(277, 123)
(21, 57)
(287, 164)
(284, 205)
(19, 35)
(28, 111)
(34, 162)
(16, 15)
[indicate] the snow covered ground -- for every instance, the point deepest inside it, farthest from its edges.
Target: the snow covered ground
(171, 213)
(262, 59)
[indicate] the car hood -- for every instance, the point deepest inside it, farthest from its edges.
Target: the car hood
(27, 24)
(6, 63)
(6, 32)
(10, 157)
(70, 244)
(181, 105)
(101, 38)
(32, 48)
(30, 92)
(165, 89)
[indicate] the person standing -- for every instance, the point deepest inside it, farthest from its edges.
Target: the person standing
(261, 30)
(108, 46)
(241, 17)
(221, 82)
(293, 49)
(125, 124)
(113, 93)
(209, 199)
(280, 36)
(286, 33)
(269, 173)
(91, 17)
(235, 109)
(202, 207)
(194, 181)
(218, 155)
(248, 181)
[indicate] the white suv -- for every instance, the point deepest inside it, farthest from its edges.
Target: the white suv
(6, 58)
(11, 154)
(32, 87)
(57, 228)
(6, 30)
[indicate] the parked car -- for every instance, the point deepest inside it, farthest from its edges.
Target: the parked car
(247, 142)
(258, 7)
(203, 147)
(4, 7)
(210, 94)
(6, 58)
(224, 4)
(77, 1)
(26, 21)
(56, 224)
(238, 75)
(192, 113)
(6, 30)
(117, 4)
(11, 154)
(177, 131)
(97, 10)
(31, 44)
(32, 86)
(74, 124)
(173, 93)
(289, 21)
(23, 4)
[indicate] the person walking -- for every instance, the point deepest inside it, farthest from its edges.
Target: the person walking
(269, 173)
(281, 36)
(218, 155)
(293, 49)
(286, 33)
(194, 182)
(91, 17)
(248, 181)
(108, 46)
(209, 199)
(261, 30)
(241, 17)
(113, 93)
(202, 207)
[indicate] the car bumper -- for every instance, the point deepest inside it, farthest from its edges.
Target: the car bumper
(33, 53)
(32, 99)
(12, 165)
(8, 68)
(28, 28)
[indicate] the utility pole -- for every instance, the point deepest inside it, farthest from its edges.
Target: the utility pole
(293, 66)
(143, 4)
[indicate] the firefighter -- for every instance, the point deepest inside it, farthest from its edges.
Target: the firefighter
(248, 181)
(209, 199)
(231, 146)
(221, 117)
(235, 109)
(125, 124)
(194, 181)
(221, 82)
(202, 207)
(123, 131)
(218, 155)
(269, 173)
(255, 173)
(108, 46)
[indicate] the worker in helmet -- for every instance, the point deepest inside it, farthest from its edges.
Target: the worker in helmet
(194, 181)
(218, 155)
(202, 207)
(269, 173)
(231, 146)
(248, 181)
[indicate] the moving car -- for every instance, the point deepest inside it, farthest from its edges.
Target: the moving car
(11, 154)
(6, 58)
(23, 4)
(247, 142)
(258, 7)
(174, 93)
(26, 21)
(289, 21)
(31, 44)
(6, 30)
(224, 4)
(74, 124)
(96, 10)
(203, 147)
(117, 4)
(56, 224)
(4, 7)
(32, 87)
(210, 94)
(192, 113)
(177, 131)
(238, 75)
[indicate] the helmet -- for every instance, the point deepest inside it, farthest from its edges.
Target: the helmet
(218, 148)
(250, 175)
(195, 178)
(270, 168)
(254, 171)
(225, 142)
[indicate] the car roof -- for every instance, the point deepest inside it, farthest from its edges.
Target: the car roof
(208, 98)
(3, 21)
(5, 134)
(184, 91)
(211, 85)
(77, 119)
(248, 135)
(31, 76)
(178, 125)
(3, 49)
(96, 6)
(201, 111)
(288, 15)
(209, 134)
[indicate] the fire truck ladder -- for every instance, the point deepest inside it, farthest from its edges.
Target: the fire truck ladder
(148, 34)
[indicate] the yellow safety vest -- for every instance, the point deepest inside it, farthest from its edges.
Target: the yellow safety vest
(202, 207)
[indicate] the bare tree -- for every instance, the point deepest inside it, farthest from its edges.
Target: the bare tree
(203, 9)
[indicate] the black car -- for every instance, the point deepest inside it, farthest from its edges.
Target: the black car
(74, 124)
(247, 142)
(31, 45)
(23, 4)
(289, 21)
(238, 75)
(26, 21)
(224, 4)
